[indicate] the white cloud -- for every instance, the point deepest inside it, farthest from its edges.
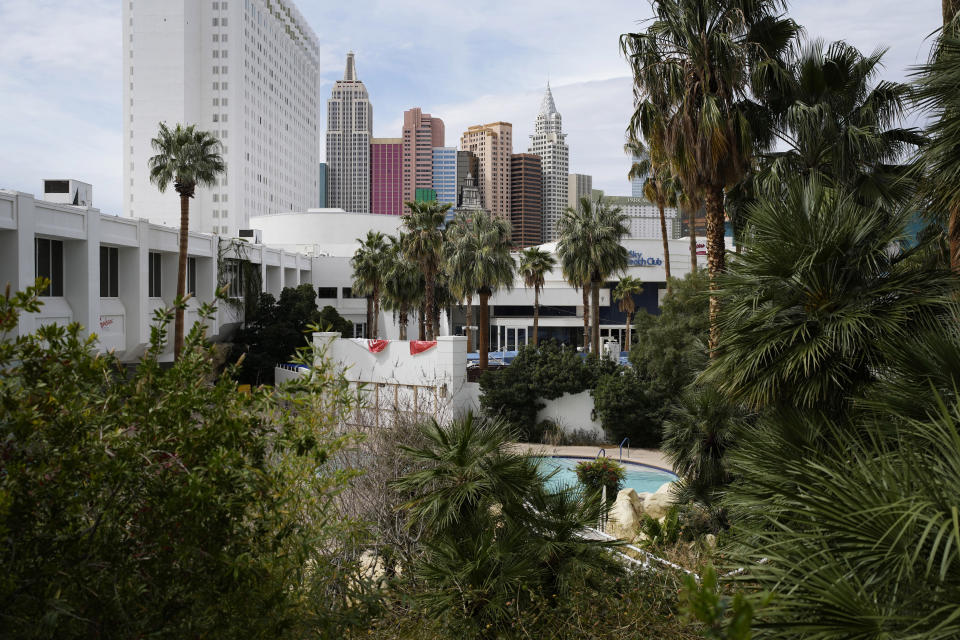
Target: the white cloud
(467, 62)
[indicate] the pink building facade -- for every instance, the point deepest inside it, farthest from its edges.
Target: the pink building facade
(386, 176)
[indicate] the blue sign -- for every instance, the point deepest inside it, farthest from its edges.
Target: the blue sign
(636, 259)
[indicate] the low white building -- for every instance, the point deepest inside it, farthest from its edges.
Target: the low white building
(110, 273)
(332, 236)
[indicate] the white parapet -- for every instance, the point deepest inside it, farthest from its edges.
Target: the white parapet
(397, 378)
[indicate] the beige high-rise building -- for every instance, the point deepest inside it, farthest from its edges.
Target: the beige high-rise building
(492, 144)
(421, 134)
(579, 186)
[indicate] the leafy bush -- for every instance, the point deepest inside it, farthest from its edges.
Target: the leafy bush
(157, 504)
(274, 329)
(627, 408)
(657, 534)
(547, 371)
(594, 475)
(497, 545)
(330, 320)
(669, 349)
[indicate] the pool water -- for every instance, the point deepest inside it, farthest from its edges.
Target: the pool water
(640, 478)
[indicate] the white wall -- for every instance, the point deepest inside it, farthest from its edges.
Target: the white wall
(434, 382)
(572, 413)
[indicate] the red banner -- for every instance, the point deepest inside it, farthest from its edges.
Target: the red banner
(419, 346)
(376, 346)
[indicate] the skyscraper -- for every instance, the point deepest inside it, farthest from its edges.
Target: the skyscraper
(349, 129)
(421, 133)
(386, 176)
(492, 144)
(578, 186)
(466, 166)
(323, 185)
(526, 199)
(445, 175)
(248, 72)
(547, 142)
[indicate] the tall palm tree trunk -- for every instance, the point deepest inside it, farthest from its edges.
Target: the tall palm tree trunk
(421, 324)
(469, 330)
(666, 245)
(376, 313)
(626, 335)
(181, 274)
(586, 317)
(536, 314)
(404, 318)
(950, 9)
(369, 331)
(595, 312)
(484, 330)
(716, 257)
(692, 228)
(428, 311)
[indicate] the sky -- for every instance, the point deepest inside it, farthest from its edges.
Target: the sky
(465, 62)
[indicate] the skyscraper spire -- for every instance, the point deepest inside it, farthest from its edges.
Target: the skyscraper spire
(547, 106)
(350, 73)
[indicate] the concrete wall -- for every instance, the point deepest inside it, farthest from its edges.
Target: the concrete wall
(572, 413)
(431, 383)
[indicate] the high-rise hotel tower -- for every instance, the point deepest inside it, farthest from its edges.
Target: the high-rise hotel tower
(492, 144)
(349, 130)
(245, 70)
(547, 142)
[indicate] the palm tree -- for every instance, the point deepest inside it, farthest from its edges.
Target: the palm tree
(688, 202)
(188, 158)
(658, 187)
(590, 251)
(494, 536)
(369, 262)
(624, 292)
(402, 282)
(456, 232)
(424, 223)
(696, 68)
(935, 92)
(835, 122)
(534, 265)
(811, 305)
(480, 259)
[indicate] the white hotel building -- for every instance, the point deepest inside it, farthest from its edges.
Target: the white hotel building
(246, 70)
(110, 273)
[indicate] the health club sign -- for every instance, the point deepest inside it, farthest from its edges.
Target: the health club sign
(636, 259)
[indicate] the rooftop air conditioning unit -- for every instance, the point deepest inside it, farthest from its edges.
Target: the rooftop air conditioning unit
(251, 235)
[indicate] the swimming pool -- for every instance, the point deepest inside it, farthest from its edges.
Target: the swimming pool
(640, 478)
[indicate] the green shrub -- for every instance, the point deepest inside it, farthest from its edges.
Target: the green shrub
(159, 505)
(627, 408)
(599, 473)
(543, 372)
(657, 534)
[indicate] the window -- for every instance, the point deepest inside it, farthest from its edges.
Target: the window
(48, 263)
(233, 274)
(327, 292)
(109, 272)
(192, 276)
(155, 263)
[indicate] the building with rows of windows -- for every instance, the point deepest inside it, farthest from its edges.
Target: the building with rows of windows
(111, 273)
(246, 70)
(549, 142)
(349, 131)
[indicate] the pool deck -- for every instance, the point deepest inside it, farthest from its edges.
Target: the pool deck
(651, 457)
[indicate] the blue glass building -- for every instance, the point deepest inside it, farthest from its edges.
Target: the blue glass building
(445, 175)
